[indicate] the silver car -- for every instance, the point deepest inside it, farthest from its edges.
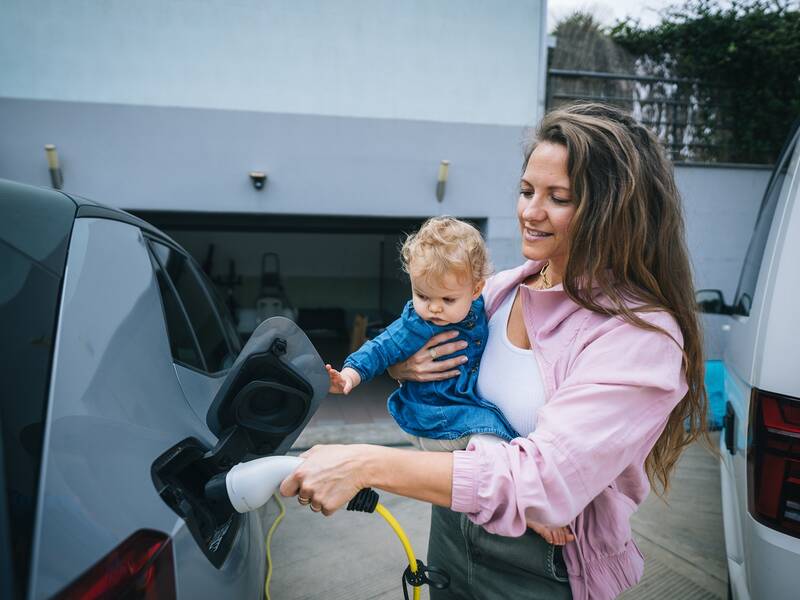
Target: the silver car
(124, 390)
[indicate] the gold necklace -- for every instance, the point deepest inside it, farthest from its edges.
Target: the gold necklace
(543, 275)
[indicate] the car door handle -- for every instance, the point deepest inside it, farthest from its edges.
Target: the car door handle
(729, 427)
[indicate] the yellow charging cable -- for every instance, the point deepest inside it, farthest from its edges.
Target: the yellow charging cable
(417, 573)
(268, 542)
(412, 560)
(367, 501)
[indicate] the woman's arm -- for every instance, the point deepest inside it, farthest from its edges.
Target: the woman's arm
(332, 475)
(604, 418)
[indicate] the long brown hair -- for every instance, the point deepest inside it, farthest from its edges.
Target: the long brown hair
(627, 238)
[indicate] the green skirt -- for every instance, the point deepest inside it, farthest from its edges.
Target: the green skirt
(485, 566)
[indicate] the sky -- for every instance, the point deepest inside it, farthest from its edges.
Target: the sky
(608, 11)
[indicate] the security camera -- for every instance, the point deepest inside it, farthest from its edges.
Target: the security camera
(259, 178)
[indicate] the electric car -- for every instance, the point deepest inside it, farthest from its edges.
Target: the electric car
(124, 391)
(760, 444)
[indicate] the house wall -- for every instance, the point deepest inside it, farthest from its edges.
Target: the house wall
(348, 107)
(720, 206)
(158, 158)
(170, 158)
(460, 61)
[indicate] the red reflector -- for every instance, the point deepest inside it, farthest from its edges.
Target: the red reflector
(774, 461)
(140, 568)
(779, 417)
(769, 495)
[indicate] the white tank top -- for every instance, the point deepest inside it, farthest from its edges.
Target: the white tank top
(509, 376)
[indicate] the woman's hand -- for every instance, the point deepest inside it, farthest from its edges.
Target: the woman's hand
(329, 477)
(558, 536)
(423, 366)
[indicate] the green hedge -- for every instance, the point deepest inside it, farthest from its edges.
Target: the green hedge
(746, 59)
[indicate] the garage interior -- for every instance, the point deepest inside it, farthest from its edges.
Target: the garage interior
(339, 278)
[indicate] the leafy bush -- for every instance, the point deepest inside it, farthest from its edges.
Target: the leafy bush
(745, 58)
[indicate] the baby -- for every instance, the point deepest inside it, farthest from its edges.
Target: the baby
(448, 266)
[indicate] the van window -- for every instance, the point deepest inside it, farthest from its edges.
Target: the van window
(203, 318)
(745, 291)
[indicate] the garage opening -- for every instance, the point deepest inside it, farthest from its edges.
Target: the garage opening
(339, 278)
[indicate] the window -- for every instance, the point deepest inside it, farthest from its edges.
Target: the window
(224, 313)
(745, 291)
(29, 295)
(203, 318)
(181, 338)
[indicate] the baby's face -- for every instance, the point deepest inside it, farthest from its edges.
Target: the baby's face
(444, 300)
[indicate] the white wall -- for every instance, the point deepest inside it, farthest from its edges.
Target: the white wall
(185, 159)
(466, 61)
(720, 204)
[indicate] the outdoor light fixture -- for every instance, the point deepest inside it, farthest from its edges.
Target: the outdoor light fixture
(259, 178)
(56, 178)
(441, 182)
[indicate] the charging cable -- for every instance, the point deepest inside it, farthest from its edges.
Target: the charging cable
(268, 542)
(416, 574)
(248, 486)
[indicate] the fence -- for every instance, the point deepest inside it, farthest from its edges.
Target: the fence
(685, 115)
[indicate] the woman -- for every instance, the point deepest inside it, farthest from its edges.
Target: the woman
(605, 305)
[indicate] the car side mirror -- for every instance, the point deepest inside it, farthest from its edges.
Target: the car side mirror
(271, 391)
(712, 302)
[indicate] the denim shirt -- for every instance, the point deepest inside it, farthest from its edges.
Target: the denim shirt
(447, 409)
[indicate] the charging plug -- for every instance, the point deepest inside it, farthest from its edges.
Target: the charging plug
(249, 485)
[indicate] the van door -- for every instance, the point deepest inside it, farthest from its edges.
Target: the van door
(742, 327)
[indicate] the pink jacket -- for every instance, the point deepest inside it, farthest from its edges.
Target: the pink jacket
(609, 388)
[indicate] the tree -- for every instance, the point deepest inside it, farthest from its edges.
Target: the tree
(582, 43)
(745, 61)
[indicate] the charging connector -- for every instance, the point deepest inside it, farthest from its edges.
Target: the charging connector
(417, 573)
(248, 486)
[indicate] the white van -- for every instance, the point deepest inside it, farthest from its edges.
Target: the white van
(760, 445)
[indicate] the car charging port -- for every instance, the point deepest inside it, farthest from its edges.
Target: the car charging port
(180, 475)
(267, 397)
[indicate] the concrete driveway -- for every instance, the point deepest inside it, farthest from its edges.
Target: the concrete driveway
(357, 556)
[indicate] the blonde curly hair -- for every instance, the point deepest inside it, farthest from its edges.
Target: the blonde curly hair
(446, 245)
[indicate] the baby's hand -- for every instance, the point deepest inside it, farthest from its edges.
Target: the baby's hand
(558, 536)
(342, 381)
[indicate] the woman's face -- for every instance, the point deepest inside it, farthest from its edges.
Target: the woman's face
(546, 207)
